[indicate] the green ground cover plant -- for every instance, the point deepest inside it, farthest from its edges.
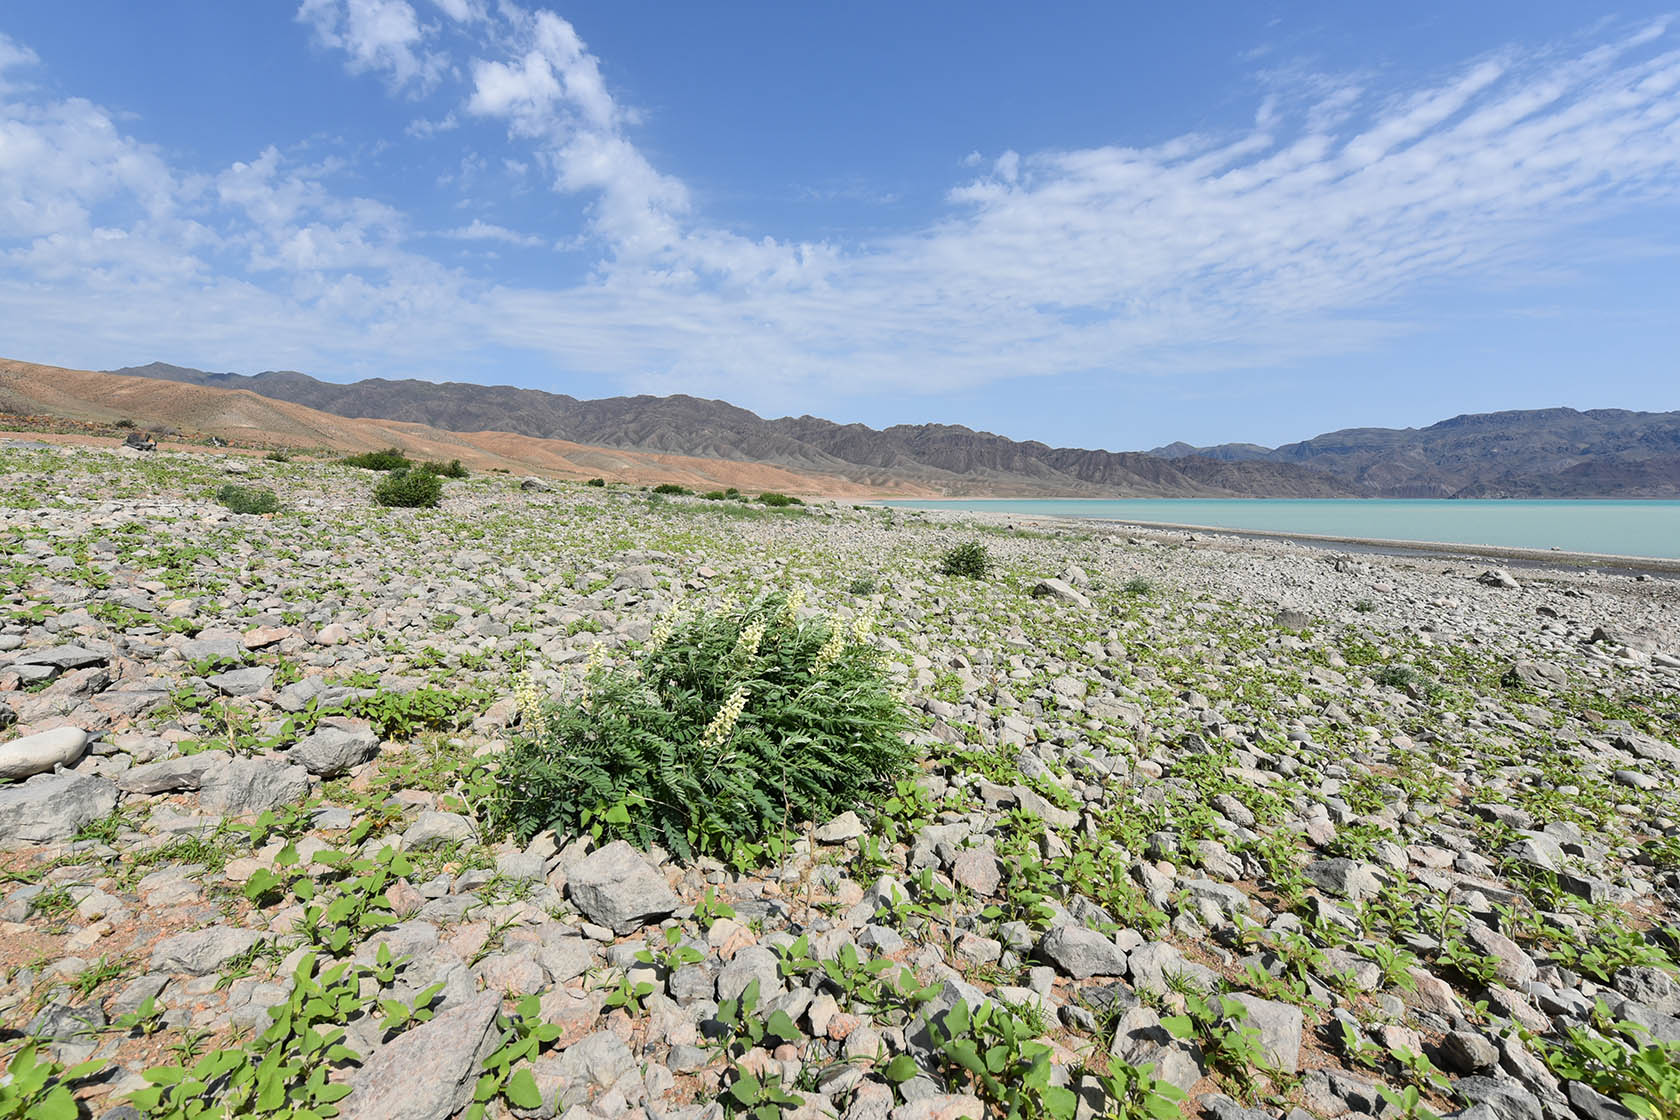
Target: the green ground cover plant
(409, 489)
(732, 726)
(248, 499)
(969, 560)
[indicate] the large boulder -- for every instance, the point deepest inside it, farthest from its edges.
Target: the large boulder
(1279, 1025)
(39, 753)
(1060, 589)
(427, 1073)
(249, 785)
(1082, 953)
(202, 951)
(335, 748)
(51, 807)
(616, 888)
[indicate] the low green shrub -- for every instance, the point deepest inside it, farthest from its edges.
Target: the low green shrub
(248, 499)
(1138, 586)
(863, 585)
(969, 560)
(671, 488)
(772, 498)
(733, 726)
(409, 489)
(391, 459)
(596, 482)
(277, 457)
(451, 469)
(714, 495)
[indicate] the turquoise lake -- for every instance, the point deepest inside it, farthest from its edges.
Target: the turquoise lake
(1621, 528)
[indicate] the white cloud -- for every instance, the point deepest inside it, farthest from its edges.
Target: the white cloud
(384, 36)
(1296, 236)
(480, 230)
(13, 56)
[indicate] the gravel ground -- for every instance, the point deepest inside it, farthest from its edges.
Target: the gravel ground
(1294, 830)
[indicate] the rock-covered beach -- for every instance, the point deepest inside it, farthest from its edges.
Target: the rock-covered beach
(1232, 827)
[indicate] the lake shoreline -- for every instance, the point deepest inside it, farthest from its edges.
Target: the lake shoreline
(1524, 557)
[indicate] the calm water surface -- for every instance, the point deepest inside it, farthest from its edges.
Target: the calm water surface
(1625, 528)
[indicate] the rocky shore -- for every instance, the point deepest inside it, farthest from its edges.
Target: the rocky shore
(1287, 831)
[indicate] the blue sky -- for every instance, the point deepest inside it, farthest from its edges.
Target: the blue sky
(1095, 225)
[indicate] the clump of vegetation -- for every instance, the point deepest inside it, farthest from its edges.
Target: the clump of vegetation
(125, 423)
(410, 489)
(772, 498)
(969, 560)
(277, 457)
(862, 585)
(248, 499)
(391, 459)
(671, 488)
(596, 482)
(451, 469)
(1137, 586)
(734, 726)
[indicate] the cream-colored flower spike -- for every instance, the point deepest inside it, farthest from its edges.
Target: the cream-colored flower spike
(831, 649)
(718, 731)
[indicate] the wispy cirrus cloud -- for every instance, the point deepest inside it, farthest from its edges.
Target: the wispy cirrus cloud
(1297, 236)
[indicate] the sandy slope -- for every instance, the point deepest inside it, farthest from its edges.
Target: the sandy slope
(244, 417)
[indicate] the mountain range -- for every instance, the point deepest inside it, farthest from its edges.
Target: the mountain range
(1540, 453)
(710, 444)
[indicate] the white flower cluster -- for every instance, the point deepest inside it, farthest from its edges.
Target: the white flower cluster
(723, 724)
(831, 649)
(597, 658)
(528, 698)
(795, 600)
(662, 631)
(746, 645)
(863, 625)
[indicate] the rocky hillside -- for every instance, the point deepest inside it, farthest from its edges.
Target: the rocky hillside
(33, 396)
(1543, 453)
(950, 459)
(1190, 826)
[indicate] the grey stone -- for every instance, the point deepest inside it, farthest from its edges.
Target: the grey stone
(1345, 878)
(616, 887)
(1279, 1025)
(593, 1063)
(1592, 1104)
(978, 870)
(335, 748)
(752, 963)
(427, 1073)
(1081, 953)
(432, 829)
(172, 775)
(1505, 1097)
(1151, 963)
(39, 753)
(846, 826)
(1536, 674)
(1221, 1107)
(241, 682)
(62, 657)
(220, 649)
(1060, 589)
(1650, 986)
(248, 785)
(203, 951)
(51, 807)
(1500, 578)
(1468, 1052)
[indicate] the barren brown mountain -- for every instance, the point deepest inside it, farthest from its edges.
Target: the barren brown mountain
(244, 418)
